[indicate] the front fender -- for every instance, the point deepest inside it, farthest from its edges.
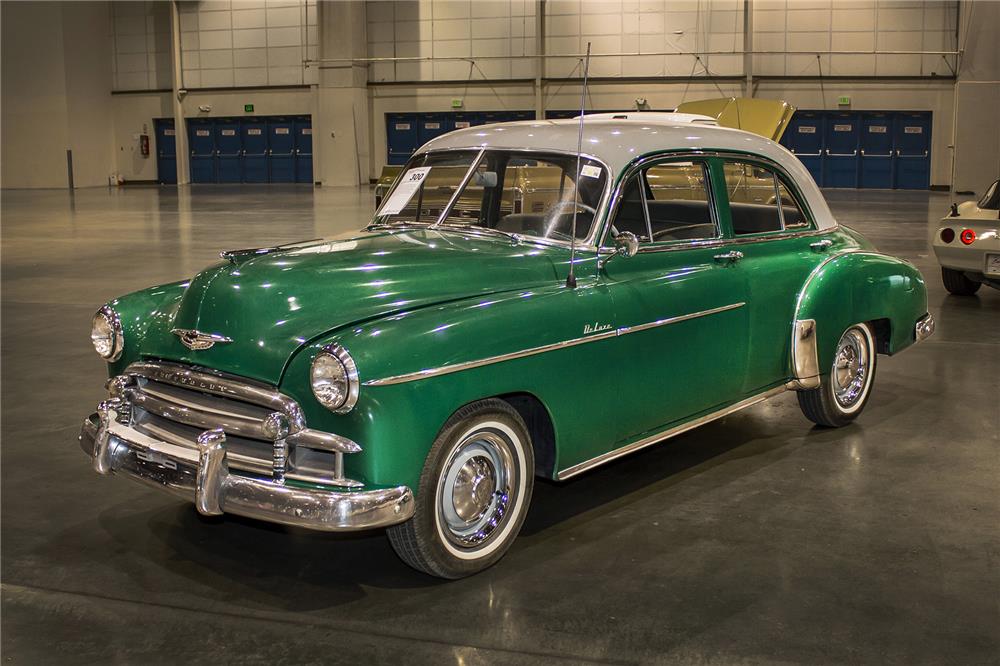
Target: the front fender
(400, 409)
(861, 286)
(142, 311)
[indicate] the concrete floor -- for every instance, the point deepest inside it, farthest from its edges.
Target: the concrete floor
(753, 539)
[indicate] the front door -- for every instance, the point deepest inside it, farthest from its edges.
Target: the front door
(680, 303)
(229, 148)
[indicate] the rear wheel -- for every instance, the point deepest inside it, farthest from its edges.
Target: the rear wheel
(473, 493)
(843, 393)
(956, 282)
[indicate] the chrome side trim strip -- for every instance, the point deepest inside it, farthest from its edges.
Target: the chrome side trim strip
(468, 365)
(580, 468)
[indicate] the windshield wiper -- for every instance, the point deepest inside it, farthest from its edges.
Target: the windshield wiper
(515, 239)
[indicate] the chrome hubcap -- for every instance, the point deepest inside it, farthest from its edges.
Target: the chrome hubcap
(475, 490)
(850, 368)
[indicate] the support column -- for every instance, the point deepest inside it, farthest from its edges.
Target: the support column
(341, 142)
(540, 60)
(748, 47)
(180, 127)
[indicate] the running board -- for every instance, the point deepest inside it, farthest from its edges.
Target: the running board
(580, 468)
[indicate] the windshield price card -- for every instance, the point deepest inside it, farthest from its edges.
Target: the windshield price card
(408, 185)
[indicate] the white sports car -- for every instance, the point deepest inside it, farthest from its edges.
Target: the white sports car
(967, 244)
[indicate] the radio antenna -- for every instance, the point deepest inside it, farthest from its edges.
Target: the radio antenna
(571, 278)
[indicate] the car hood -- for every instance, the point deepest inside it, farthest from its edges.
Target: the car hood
(271, 304)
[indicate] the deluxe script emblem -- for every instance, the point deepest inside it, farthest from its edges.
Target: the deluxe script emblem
(196, 340)
(595, 328)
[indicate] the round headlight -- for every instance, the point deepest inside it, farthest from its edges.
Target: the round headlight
(106, 334)
(334, 379)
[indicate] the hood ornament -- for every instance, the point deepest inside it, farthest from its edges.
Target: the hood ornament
(196, 340)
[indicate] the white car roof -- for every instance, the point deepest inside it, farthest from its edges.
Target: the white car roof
(617, 142)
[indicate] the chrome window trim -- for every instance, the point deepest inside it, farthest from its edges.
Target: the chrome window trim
(615, 199)
(589, 243)
(582, 467)
(458, 190)
(500, 358)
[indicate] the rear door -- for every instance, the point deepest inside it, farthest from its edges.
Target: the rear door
(876, 150)
(680, 303)
(777, 255)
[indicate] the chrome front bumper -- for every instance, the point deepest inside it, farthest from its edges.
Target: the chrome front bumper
(924, 328)
(202, 475)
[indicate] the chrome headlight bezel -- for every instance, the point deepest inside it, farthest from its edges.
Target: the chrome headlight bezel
(115, 335)
(340, 358)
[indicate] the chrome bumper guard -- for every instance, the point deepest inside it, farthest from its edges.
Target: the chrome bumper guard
(924, 328)
(202, 474)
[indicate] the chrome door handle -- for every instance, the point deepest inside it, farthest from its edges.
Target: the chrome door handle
(730, 257)
(820, 246)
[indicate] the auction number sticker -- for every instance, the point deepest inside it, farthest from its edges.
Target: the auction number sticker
(590, 171)
(408, 185)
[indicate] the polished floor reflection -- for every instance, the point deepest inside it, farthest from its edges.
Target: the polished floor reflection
(754, 539)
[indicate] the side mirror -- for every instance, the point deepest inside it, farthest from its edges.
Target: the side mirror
(485, 179)
(626, 245)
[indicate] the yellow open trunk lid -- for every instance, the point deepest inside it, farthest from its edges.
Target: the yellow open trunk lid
(766, 117)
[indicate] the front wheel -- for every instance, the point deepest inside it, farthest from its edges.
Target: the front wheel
(473, 493)
(843, 393)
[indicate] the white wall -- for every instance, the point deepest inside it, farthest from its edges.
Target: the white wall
(141, 32)
(62, 100)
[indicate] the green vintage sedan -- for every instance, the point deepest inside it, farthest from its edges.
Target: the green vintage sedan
(420, 373)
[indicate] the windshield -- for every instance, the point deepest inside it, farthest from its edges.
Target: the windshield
(991, 200)
(514, 192)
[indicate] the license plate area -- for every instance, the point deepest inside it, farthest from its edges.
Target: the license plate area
(992, 264)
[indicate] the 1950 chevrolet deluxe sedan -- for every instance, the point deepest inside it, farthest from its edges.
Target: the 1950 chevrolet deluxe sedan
(420, 373)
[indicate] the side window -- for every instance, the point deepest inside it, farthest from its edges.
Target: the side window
(753, 198)
(790, 213)
(759, 202)
(668, 202)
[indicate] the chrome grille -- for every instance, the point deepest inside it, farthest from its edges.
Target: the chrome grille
(265, 430)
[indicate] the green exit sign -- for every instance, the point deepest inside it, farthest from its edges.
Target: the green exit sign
(248, 108)
(844, 101)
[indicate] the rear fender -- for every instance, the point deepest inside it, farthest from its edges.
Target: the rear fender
(846, 289)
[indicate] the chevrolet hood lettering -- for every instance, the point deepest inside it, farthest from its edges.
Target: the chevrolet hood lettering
(196, 340)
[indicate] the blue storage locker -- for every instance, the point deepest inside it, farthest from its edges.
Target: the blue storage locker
(401, 136)
(912, 143)
(166, 150)
(463, 119)
(432, 125)
(804, 137)
(840, 154)
(876, 150)
(201, 142)
(254, 132)
(228, 151)
(281, 150)
(303, 150)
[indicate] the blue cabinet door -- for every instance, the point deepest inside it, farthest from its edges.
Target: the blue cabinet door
(876, 150)
(463, 119)
(912, 148)
(840, 155)
(166, 150)
(804, 137)
(303, 150)
(433, 125)
(281, 147)
(254, 131)
(401, 136)
(228, 151)
(201, 141)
